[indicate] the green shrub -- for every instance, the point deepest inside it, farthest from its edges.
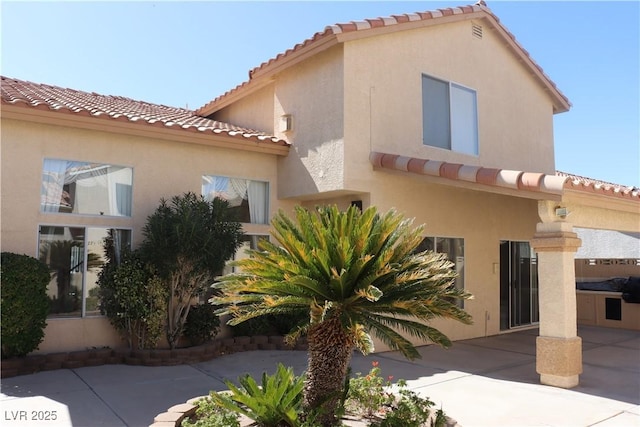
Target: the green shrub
(202, 324)
(252, 327)
(275, 403)
(209, 414)
(24, 303)
(281, 324)
(134, 300)
(188, 240)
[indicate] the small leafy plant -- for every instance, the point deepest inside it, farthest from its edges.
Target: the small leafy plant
(371, 396)
(275, 403)
(210, 414)
(409, 410)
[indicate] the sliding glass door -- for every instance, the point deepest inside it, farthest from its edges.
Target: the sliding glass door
(518, 285)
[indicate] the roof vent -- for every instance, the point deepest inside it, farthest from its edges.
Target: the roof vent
(476, 30)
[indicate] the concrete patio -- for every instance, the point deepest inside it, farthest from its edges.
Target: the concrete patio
(480, 382)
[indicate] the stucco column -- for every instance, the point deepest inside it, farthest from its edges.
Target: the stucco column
(558, 348)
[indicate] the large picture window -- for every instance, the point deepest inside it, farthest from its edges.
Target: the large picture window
(449, 116)
(75, 256)
(454, 248)
(248, 198)
(86, 188)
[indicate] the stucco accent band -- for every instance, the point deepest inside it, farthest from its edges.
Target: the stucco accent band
(559, 360)
(559, 241)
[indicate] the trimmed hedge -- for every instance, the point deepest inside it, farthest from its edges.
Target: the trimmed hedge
(24, 303)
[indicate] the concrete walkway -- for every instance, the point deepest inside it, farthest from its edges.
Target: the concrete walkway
(480, 382)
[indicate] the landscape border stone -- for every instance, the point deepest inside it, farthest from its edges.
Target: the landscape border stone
(31, 364)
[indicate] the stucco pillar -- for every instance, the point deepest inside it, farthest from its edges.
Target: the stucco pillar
(558, 347)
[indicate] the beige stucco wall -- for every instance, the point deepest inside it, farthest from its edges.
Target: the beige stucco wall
(254, 112)
(365, 94)
(482, 219)
(383, 99)
(161, 169)
(312, 93)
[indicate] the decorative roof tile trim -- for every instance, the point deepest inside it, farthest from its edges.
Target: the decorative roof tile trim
(508, 179)
(450, 170)
(487, 176)
(581, 183)
(468, 173)
(333, 30)
(53, 98)
(516, 180)
(416, 165)
(530, 181)
(433, 167)
(402, 163)
(551, 184)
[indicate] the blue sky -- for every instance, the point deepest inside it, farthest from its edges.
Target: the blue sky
(185, 54)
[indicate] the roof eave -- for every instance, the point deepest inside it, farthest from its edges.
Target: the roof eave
(561, 103)
(334, 35)
(105, 123)
(263, 75)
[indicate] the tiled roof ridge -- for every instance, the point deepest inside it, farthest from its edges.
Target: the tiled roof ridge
(510, 179)
(596, 184)
(368, 24)
(55, 98)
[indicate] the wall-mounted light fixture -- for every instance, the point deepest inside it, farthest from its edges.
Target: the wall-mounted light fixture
(286, 123)
(562, 212)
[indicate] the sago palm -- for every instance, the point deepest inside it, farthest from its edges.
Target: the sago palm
(352, 274)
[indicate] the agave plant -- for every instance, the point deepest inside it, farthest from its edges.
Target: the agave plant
(354, 274)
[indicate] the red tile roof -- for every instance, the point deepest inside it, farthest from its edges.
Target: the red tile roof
(502, 178)
(368, 24)
(53, 98)
(597, 186)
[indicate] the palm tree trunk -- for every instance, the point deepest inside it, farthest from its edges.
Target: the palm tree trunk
(330, 349)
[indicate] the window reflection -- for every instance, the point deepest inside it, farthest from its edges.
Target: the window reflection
(86, 188)
(75, 256)
(247, 198)
(454, 248)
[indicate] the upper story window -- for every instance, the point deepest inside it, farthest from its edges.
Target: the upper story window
(449, 116)
(86, 188)
(250, 199)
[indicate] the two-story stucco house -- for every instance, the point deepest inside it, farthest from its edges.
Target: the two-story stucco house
(441, 115)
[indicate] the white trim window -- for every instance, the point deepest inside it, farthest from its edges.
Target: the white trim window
(86, 188)
(249, 198)
(449, 116)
